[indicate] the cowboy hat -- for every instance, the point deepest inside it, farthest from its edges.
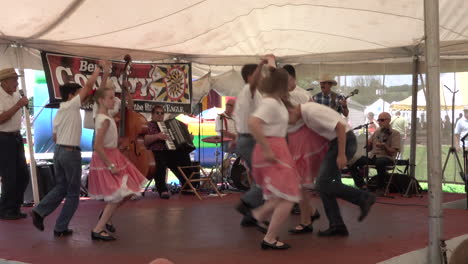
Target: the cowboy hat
(8, 73)
(325, 77)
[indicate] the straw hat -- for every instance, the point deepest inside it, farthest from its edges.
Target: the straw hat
(8, 73)
(325, 77)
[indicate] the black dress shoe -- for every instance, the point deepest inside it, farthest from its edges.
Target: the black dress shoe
(109, 227)
(164, 195)
(103, 235)
(67, 232)
(243, 208)
(38, 221)
(305, 229)
(315, 216)
(296, 210)
(22, 215)
(365, 206)
(262, 227)
(266, 245)
(248, 220)
(10, 216)
(334, 231)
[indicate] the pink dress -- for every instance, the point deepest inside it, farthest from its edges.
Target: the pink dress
(307, 150)
(278, 179)
(102, 184)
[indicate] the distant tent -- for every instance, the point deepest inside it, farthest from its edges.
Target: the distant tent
(378, 107)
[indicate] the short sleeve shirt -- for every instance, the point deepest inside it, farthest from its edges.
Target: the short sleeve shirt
(275, 116)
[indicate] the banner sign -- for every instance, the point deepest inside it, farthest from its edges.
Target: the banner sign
(168, 84)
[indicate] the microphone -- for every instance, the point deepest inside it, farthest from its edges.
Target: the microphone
(364, 125)
(21, 92)
(464, 137)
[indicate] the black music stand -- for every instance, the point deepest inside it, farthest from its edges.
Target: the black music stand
(465, 178)
(452, 149)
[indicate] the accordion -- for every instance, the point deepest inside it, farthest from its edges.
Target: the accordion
(179, 137)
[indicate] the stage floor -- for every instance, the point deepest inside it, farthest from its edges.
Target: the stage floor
(186, 230)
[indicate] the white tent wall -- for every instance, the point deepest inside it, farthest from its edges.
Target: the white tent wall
(336, 36)
(297, 31)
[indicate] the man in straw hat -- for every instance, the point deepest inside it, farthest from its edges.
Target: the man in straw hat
(13, 168)
(330, 98)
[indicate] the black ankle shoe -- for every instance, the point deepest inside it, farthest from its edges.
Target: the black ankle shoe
(334, 231)
(38, 221)
(67, 232)
(266, 245)
(101, 236)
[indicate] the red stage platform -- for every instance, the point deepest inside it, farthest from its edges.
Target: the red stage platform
(186, 230)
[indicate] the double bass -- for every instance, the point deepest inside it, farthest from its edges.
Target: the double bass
(132, 127)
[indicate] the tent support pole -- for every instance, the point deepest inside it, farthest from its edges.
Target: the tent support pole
(431, 26)
(414, 109)
(32, 160)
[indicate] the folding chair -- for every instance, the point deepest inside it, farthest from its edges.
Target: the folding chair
(390, 171)
(206, 179)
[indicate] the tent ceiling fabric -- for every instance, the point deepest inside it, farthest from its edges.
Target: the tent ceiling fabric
(217, 32)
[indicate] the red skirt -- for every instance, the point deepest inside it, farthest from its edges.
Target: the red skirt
(276, 179)
(103, 185)
(307, 149)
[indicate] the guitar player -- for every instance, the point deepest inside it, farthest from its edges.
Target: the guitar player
(330, 98)
(384, 146)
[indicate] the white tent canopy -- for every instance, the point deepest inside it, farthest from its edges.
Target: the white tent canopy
(378, 107)
(326, 35)
(217, 32)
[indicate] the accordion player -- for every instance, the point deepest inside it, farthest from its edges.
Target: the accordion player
(179, 137)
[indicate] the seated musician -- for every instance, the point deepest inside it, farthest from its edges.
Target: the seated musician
(384, 145)
(225, 125)
(155, 140)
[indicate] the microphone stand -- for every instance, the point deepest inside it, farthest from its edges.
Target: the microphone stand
(366, 126)
(221, 118)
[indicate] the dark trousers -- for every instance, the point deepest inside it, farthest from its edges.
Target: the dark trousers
(169, 159)
(381, 163)
(13, 172)
(329, 182)
(245, 146)
(67, 165)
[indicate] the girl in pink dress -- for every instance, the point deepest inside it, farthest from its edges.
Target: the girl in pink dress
(307, 149)
(272, 164)
(112, 177)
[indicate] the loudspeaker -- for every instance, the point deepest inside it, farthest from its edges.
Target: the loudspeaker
(399, 184)
(45, 181)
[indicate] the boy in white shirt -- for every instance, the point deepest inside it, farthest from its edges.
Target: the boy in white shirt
(67, 158)
(247, 101)
(330, 125)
